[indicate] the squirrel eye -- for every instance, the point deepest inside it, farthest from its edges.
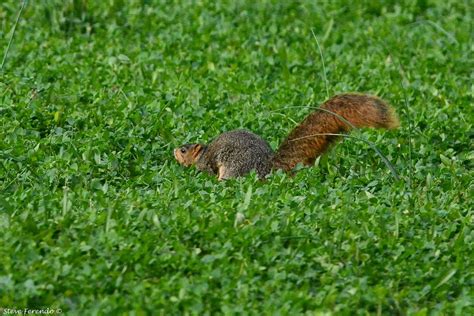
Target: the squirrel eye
(182, 150)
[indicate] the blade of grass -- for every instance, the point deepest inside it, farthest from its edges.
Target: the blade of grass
(13, 34)
(324, 66)
(318, 109)
(403, 79)
(437, 27)
(372, 145)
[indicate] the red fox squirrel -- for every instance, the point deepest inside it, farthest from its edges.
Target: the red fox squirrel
(236, 153)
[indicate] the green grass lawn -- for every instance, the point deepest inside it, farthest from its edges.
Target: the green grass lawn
(96, 217)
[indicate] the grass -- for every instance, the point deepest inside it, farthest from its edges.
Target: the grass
(97, 217)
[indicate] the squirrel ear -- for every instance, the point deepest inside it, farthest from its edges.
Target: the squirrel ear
(196, 150)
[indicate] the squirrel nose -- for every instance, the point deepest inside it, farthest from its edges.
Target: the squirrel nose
(175, 153)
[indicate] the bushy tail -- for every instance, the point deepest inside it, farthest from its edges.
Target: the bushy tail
(307, 141)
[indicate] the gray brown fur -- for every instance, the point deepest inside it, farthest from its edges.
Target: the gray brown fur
(236, 153)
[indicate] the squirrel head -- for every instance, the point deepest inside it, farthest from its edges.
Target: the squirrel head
(188, 154)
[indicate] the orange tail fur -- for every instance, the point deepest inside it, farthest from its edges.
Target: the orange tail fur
(305, 142)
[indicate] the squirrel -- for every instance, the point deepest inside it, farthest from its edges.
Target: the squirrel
(236, 153)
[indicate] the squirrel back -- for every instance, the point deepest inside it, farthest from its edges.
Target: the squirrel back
(237, 152)
(307, 140)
